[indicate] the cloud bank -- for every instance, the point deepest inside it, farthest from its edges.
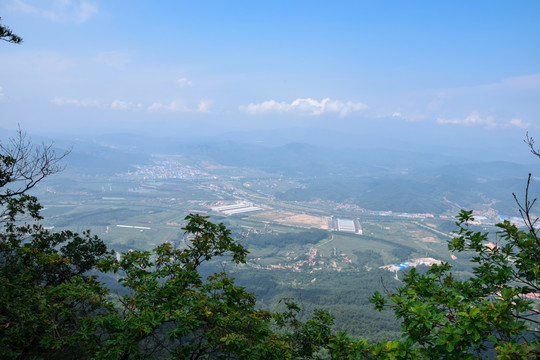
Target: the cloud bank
(520, 124)
(87, 102)
(179, 106)
(174, 106)
(306, 106)
(474, 119)
(124, 105)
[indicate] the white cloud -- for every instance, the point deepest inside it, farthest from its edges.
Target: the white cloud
(57, 10)
(396, 114)
(473, 119)
(307, 106)
(519, 124)
(119, 105)
(489, 122)
(184, 82)
(87, 102)
(155, 107)
(124, 105)
(179, 106)
(1, 93)
(204, 106)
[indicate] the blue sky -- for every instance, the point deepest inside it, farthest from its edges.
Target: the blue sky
(419, 69)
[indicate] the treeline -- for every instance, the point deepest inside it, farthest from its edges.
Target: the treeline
(345, 295)
(411, 194)
(275, 239)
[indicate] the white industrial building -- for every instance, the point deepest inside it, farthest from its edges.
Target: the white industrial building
(238, 208)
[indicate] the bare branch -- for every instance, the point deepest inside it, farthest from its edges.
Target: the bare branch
(525, 208)
(529, 140)
(23, 165)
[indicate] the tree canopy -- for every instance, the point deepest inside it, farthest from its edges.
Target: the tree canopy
(54, 306)
(7, 35)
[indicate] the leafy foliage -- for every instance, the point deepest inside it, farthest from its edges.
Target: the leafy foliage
(45, 291)
(170, 311)
(444, 317)
(53, 306)
(45, 288)
(7, 35)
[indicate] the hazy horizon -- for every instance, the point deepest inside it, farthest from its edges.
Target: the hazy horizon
(419, 75)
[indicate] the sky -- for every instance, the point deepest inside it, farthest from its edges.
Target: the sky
(432, 72)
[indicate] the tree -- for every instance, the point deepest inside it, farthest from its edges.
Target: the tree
(46, 292)
(53, 306)
(7, 35)
(22, 166)
(444, 317)
(50, 308)
(45, 288)
(170, 311)
(496, 311)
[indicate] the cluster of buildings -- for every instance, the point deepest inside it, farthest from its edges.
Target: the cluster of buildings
(310, 261)
(348, 207)
(416, 262)
(166, 169)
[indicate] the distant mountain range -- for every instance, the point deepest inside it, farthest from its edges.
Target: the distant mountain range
(372, 177)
